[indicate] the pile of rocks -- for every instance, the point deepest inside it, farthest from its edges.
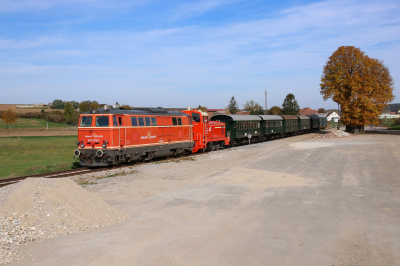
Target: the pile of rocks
(37, 209)
(336, 134)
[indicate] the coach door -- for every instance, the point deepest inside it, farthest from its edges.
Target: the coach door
(118, 121)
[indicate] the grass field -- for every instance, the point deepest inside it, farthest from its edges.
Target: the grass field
(394, 128)
(386, 122)
(31, 123)
(21, 156)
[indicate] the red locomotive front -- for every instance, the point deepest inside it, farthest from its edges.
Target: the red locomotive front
(207, 135)
(114, 136)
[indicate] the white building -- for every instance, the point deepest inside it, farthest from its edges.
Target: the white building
(388, 115)
(332, 116)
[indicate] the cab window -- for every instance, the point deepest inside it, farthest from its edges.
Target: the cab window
(102, 121)
(147, 119)
(86, 121)
(134, 121)
(115, 122)
(179, 121)
(196, 117)
(174, 122)
(141, 122)
(154, 121)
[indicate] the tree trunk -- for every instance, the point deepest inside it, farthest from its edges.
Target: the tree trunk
(353, 129)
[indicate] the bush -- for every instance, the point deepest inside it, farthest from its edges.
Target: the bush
(396, 122)
(55, 118)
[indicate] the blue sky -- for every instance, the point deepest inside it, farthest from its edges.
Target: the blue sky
(185, 53)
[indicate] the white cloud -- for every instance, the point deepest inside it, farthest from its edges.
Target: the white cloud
(169, 67)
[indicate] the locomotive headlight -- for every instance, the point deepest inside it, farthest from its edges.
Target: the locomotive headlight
(104, 144)
(82, 145)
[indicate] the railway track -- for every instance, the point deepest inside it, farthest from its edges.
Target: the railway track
(78, 171)
(84, 170)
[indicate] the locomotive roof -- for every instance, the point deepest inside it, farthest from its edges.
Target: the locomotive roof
(136, 111)
(271, 117)
(287, 117)
(304, 117)
(234, 118)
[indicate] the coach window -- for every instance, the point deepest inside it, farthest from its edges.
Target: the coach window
(102, 121)
(141, 122)
(154, 121)
(179, 121)
(147, 119)
(134, 121)
(115, 122)
(86, 121)
(174, 122)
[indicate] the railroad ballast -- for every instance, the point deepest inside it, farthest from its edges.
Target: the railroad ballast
(115, 136)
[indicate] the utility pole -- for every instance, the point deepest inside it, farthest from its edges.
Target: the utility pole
(265, 101)
(338, 122)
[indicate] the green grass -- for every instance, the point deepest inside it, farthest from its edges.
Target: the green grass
(31, 123)
(21, 156)
(386, 122)
(394, 128)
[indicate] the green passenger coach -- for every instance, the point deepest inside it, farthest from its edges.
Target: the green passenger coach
(290, 124)
(271, 125)
(304, 123)
(239, 127)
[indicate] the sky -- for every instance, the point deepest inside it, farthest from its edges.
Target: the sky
(153, 53)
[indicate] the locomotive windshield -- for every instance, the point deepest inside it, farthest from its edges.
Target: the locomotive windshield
(102, 121)
(86, 121)
(196, 117)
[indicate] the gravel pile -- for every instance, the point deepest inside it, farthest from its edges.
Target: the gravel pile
(336, 134)
(37, 209)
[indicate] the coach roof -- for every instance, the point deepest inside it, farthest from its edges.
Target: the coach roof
(304, 117)
(236, 118)
(271, 117)
(287, 117)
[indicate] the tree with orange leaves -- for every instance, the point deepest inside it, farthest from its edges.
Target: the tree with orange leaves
(361, 85)
(9, 117)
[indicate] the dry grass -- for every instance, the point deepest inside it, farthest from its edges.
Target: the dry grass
(13, 107)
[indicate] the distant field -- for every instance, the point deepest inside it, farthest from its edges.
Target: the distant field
(31, 123)
(21, 156)
(386, 122)
(5, 107)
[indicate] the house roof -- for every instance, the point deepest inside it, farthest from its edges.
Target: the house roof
(243, 113)
(215, 110)
(308, 111)
(329, 113)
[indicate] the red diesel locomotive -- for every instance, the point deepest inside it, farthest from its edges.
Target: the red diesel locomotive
(114, 136)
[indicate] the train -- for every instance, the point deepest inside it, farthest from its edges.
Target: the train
(114, 136)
